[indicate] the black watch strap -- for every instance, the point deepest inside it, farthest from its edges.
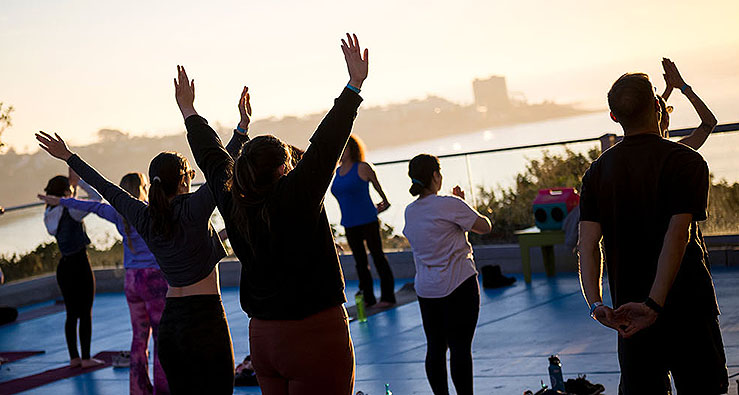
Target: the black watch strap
(653, 305)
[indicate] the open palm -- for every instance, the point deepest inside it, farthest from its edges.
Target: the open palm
(54, 145)
(356, 61)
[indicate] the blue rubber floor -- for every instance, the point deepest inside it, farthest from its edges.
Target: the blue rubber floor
(519, 327)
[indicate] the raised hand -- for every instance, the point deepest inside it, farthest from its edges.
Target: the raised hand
(245, 108)
(458, 192)
(355, 62)
(636, 316)
(184, 92)
(672, 75)
(50, 200)
(54, 145)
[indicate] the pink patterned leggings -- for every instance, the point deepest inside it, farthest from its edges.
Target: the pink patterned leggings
(146, 290)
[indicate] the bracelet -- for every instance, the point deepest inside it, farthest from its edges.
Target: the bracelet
(242, 130)
(684, 88)
(649, 302)
(353, 89)
(595, 306)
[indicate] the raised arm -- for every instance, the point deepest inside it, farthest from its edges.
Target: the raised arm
(129, 207)
(241, 133)
(708, 121)
(312, 175)
(206, 146)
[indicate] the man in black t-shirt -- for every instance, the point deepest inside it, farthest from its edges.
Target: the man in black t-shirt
(643, 197)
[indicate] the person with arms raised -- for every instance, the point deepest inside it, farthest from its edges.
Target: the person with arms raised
(291, 281)
(194, 343)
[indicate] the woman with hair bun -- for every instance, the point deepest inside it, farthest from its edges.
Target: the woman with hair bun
(359, 219)
(436, 227)
(145, 286)
(74, 273)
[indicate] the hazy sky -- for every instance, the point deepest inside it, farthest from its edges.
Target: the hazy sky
(79, 66)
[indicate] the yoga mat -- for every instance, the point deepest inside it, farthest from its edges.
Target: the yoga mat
(12, 356)
(49, 376)
(27, 315)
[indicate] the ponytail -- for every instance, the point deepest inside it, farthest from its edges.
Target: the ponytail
(421, 171)
(166, 172)
(253, 179)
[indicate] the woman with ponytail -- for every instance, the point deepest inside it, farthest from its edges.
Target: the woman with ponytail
(194, 342)
(291, 281)
(446, 278)
(145, 286)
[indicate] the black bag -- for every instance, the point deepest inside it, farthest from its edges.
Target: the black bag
(492, 277)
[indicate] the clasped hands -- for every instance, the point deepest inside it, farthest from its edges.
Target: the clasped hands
(628, 319)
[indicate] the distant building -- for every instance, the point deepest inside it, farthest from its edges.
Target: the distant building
(491, 94)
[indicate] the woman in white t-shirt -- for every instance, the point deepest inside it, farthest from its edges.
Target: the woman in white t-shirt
(446, 278)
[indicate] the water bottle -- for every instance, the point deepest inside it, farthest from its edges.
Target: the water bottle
(387, 389)
(555, 374)
(359, 301)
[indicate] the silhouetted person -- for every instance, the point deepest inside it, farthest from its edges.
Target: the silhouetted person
(643, 197)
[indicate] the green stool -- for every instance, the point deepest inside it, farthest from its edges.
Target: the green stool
(534, 237)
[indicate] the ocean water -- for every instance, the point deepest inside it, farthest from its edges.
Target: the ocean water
(23, 230)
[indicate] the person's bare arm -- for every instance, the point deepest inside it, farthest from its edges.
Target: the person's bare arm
(367, 173)
(591, 273)
(639, 315)
(482, 225)
(668, 88)
(708, 121)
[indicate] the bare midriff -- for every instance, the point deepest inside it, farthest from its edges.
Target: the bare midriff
(207, 286)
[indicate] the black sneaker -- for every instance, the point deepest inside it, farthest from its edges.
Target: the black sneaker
(581, 386)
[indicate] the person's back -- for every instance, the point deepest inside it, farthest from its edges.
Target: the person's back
(638, 185)
(643, 199)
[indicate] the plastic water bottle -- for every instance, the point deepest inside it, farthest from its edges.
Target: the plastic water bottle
(555, 374)
(359, 301)
(387, 389)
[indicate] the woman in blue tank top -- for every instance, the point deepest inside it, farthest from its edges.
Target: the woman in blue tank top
(359, 219)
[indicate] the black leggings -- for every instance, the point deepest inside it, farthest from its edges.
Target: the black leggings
(449, 323)
(194, 346)
(77, 283)
(356, 236)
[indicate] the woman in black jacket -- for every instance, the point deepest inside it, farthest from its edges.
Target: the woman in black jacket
(291, 281)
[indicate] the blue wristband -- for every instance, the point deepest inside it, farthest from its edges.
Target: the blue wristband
(241, 130)
(353, 89)
(684, 88)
